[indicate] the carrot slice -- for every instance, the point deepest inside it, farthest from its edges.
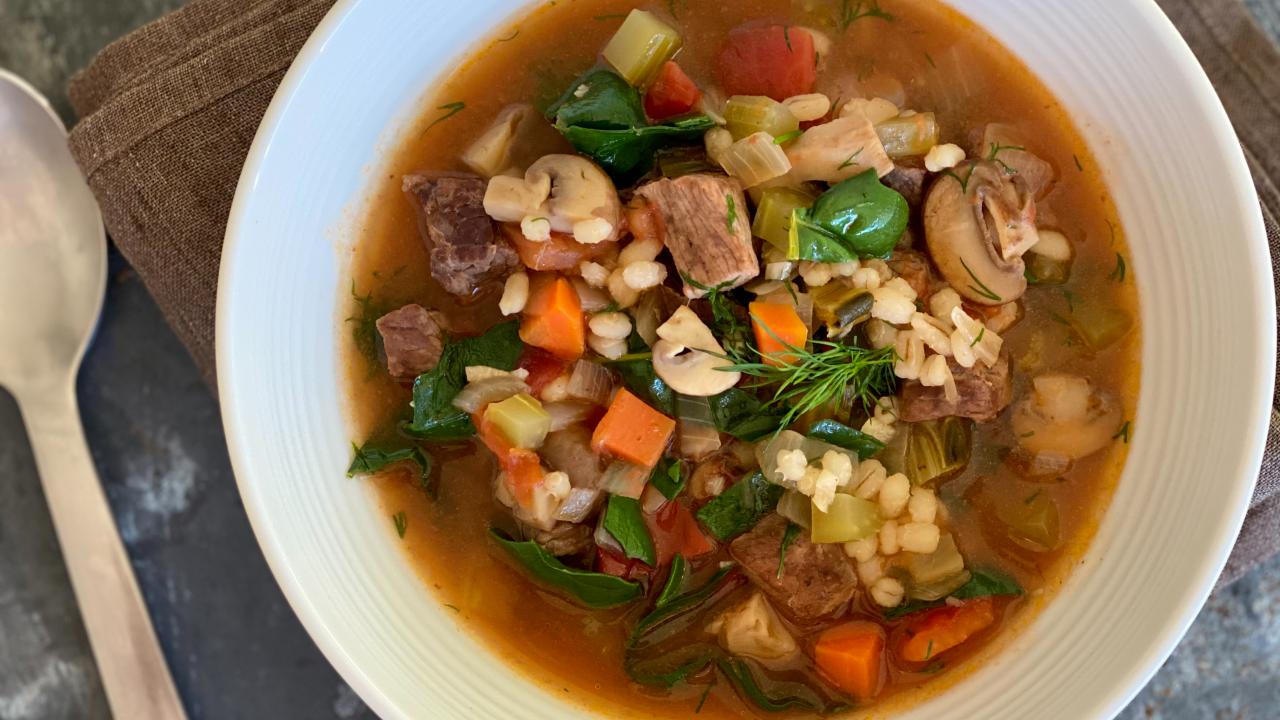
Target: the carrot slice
(553, 319)
(633, 431)
(850, 656)
(938, 631)
(778, 328)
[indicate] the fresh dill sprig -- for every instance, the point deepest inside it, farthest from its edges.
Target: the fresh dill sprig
(1118, 274)
(994, 156)
(851, 11)
(364, 324)
(450, 109)
(804, 380)
(722, 315)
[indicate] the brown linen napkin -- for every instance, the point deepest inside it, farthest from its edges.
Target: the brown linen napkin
(168, 113)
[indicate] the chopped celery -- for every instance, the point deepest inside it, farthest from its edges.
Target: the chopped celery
(797, 508)
(749, 114)
(937, 449)
(1043, 270)
(1033, 523)
(938, 574)
(1100, 327)
(520, 419)
(773, 214)
(847, 520)
(908, 136)
(641, 46)
(756, 159)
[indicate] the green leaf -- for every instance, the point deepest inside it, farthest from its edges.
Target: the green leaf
(659, 651)
(402, 523)
(842, 435)
(788, 695)
(982, 583)
(677, 576)
(368, 459)
(434, 416)
(668, 477)
(859, 217)
(739, 508)
(601, 115)
(625, 522)
(595, 590)
(788, 536)
(742, 415)
(641, 379)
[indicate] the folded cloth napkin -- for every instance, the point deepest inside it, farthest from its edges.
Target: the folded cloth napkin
(168, 113)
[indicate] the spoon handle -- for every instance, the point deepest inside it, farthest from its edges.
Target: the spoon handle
(132, 666)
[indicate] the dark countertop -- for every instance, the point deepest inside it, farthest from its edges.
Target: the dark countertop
(235, 647)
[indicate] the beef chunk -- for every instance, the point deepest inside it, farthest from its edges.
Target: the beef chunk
(413, 338)
(465, 252)
(565, 539)
(914, 268)
(817, 580)
(569, 451)
(1015, 159)
(707, 226)
(909, 182)
(984, 392)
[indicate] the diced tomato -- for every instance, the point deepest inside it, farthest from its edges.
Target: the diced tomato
(542, 366)
(672, 94)
(559, 254)
(522, 466)
(777, 61)
(611, 563)
(937, 631)
(675, 531)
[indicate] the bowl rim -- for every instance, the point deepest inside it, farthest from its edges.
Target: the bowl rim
(1109, 704)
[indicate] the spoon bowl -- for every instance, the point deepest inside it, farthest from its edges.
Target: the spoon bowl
(53, 263)
(53, 251)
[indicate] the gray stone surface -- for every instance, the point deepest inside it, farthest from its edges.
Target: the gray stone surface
(236, 648)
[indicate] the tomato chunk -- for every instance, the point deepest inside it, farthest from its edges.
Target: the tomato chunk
(559, 254)
(938, 631)
(672, 94)
(675, 531)
(777, 61)
(542, 366)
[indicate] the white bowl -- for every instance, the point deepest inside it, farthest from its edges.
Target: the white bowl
(1184, 193)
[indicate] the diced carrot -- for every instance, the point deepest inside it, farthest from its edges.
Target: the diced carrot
(542, 366)
(559, 254)
(850, 656)
(778, 329)
(633, 431)
(553, 319)
(777, 61)
(938, 631)
(674, 531)
(671, 94)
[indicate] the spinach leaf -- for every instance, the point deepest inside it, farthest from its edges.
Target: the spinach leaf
(982, 583)
(742, 415)
(788, 536)
(739, 508)
(800, 696)
(434, 416)
(595, 590)
(602, 117)
(846, 437)
(625, 522)
(676, 577)
(660, 651)
(859, 217)
(668, 477)
(368, 459)
(641, 379)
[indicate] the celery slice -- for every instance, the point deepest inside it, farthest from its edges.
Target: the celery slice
(756, 159)
(773, 214)
(749, 114)
(641, 46)
(909, 136)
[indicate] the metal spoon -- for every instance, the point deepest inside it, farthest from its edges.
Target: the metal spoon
(53, 259)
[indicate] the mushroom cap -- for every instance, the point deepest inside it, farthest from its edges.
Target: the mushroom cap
(571, 192)
(978, 222)
(688, 357)
(1065, 416)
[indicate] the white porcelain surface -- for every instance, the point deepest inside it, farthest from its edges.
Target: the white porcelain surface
(1199, 254)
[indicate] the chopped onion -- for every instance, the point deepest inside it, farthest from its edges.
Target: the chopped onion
(566, 414)
(756, 159)
(652, 499)
(590, 383)
(579, 505)
(767, 453)
(605, 540)
(593, 300)
(796, 507)
(698, 434)
(478, 394)
(623, 478)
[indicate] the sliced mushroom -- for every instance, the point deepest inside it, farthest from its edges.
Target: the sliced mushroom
(688, 358)
(1065, 416)
(978, 222)
(838, 150)
(571, 192)
(491, 154)
(752, 629)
